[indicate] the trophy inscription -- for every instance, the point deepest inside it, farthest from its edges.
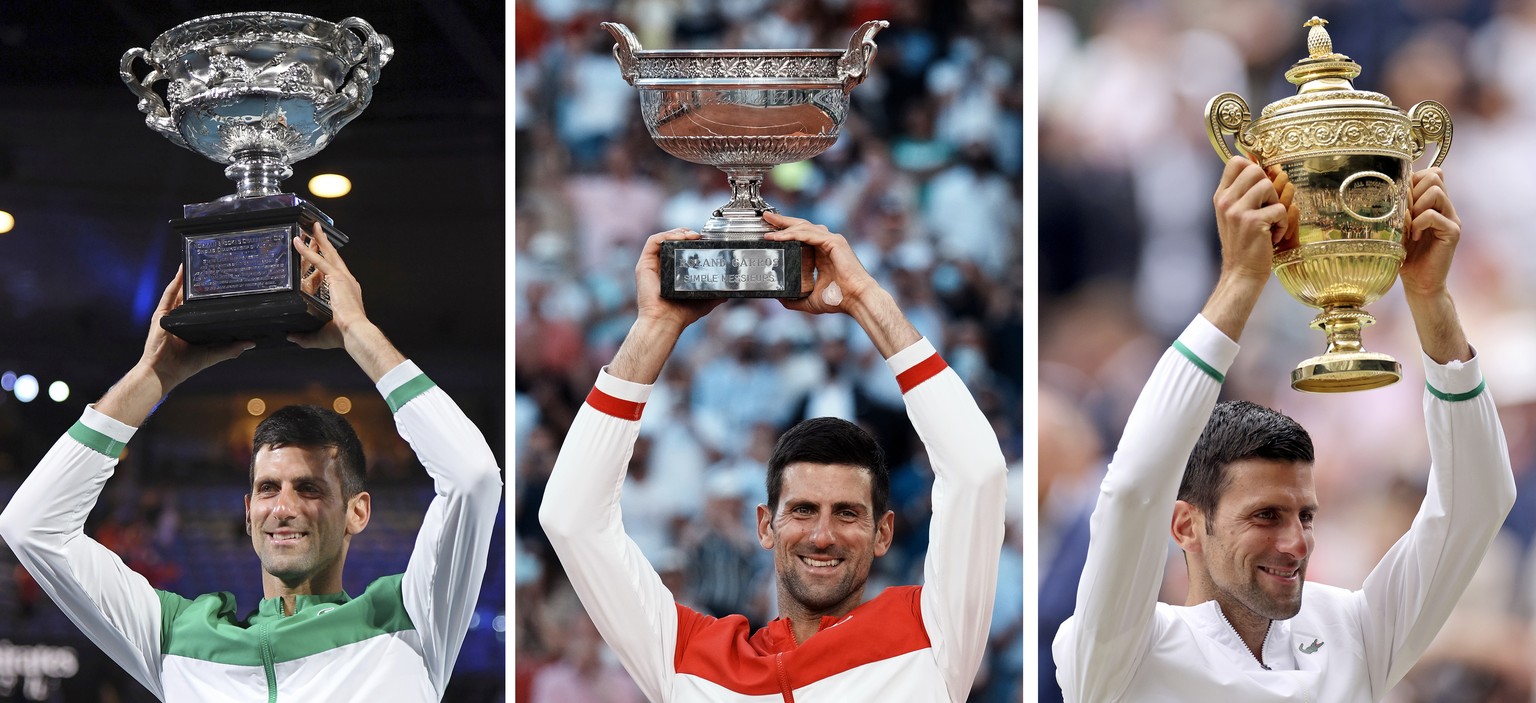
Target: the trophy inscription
(255, 261)
(743, 111)
(258, 91)
(1349, 155)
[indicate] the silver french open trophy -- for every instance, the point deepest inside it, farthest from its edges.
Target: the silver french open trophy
(743, 111)
(257, 91)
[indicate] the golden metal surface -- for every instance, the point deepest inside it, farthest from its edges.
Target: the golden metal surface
(1342, 373)
(1349, 154)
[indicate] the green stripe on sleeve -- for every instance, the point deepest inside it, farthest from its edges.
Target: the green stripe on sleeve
(96, 440)
(1457, 397)
(1197, 361)
(408, 392)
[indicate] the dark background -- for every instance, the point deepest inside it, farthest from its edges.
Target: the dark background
(92, 188)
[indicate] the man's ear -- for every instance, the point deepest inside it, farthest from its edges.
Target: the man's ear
(359, 510)
(885, 532)
(1188, 526)
(765, 535)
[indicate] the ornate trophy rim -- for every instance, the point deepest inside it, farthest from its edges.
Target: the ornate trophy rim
(663, 68)
(169, 45)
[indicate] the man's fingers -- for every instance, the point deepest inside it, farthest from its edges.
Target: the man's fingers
(1434, 198)
(1235, 166)
(1260, 194)
(171, 296)
(783, 221)
(1436, 221)
(1275, 217)
(807, 233)
(1235, 190)
(655, 240)
(1426, 179)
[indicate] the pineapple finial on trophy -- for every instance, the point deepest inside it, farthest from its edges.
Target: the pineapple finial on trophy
(1319, 44)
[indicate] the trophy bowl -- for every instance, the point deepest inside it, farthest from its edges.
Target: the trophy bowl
(1349, 155)
(743, 111)
(257, 91)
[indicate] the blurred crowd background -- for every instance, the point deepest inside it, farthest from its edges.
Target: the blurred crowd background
(1128, 253)
(925, 183)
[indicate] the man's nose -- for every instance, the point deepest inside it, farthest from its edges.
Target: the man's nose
(283, 505)
(822, 535)
(1293, 539)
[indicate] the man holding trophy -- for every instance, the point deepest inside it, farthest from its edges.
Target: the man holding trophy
(826, 520)
(1338, 216)
(307, 639)
(258, 91)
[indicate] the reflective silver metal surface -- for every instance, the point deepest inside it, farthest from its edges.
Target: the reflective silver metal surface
(744, 111)
(257, 90)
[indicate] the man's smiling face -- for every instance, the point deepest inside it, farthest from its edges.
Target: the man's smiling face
(824, 536)
(299, 520)
(1260, 537)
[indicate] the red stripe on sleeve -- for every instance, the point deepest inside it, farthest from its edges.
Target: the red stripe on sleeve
(921, 371)
(617, 407)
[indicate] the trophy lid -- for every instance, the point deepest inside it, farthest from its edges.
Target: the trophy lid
(1323, 79)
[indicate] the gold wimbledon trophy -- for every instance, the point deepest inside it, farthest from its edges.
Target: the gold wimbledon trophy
(1349, 154)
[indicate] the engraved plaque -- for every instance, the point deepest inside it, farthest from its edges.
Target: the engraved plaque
(234, 263)
(734, 269)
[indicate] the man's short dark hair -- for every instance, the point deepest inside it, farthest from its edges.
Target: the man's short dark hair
(313, 426)
(1238, 430)
(829, 440)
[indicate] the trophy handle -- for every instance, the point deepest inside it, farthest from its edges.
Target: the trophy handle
(625, 46)
(155, 113)
(1228, 114)
(350, 101)
(853, 65)
(1431, 123)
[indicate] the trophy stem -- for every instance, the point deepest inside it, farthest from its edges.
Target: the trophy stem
(1346, 366)
(742, 217)
(1343, 326)
(258, 173)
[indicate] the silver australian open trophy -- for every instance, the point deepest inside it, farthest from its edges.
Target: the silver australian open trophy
(257, 91)
(743, 111)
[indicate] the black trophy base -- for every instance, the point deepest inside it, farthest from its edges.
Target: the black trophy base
(735, 268)
(264, 318)
(243, 279)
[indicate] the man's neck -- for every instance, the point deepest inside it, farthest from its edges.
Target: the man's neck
(272, 587)
(1251, 627)
(804, 627)
(804, 623)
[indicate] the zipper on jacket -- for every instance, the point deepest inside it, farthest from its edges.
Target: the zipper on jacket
(266, 661)
(1262, 643)
(789, 693)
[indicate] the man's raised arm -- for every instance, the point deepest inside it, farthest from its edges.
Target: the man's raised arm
(620, 590)
(1098, 649)
(44, 523)
(447, 564)
(1409, 595)
(970, 475)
